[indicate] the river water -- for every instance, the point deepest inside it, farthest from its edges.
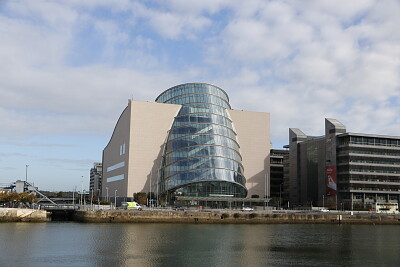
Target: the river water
(78, 244)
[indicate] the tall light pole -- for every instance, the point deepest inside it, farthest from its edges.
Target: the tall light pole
(26, 173)
(91, 198)
(73, 197)
(82, 192)
(115, 198)
(84, 198)
(151, 174)
(265, 188)
(98, 197)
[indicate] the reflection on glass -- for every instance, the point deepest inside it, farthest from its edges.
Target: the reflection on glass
(201, 155)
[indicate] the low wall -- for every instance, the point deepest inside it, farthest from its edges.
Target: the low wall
(23, 215)
(231, 217)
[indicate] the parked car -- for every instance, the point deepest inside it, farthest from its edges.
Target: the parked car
(247, 209)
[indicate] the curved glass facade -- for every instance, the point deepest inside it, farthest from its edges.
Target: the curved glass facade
(201, 155)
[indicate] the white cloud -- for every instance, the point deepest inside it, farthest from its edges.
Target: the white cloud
(301, 61)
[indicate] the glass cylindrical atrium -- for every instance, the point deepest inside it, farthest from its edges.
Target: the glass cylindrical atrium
(201, 154)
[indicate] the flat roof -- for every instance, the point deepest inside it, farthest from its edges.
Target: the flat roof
(370, 135)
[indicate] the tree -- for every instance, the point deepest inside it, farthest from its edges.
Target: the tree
(8, 196)
(14, 197)
(140, 197)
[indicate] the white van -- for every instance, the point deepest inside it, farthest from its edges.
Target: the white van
(131, 206)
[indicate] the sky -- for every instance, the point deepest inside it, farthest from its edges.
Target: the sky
(68, 68)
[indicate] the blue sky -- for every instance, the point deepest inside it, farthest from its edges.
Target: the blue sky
(68, 68)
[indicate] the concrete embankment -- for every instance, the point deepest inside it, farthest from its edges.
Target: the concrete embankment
(231, 217)
(23, 215)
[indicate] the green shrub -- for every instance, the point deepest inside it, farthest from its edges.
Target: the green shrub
(237, 215)
(224, 215)
(253, 215)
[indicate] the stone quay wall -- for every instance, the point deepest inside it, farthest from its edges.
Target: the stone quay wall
(231, 217)
(23, 215)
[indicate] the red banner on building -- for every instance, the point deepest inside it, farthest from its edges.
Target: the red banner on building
(331, 187)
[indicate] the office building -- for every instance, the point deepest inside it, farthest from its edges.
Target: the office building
(96, 178)
(277, 174)
(343, 170)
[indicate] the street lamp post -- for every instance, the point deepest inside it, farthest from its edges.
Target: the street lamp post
(91, 198)
(84, 198)
(115, 198)
(98, 197)
(265, 188)
(82, 192)
(73, 197)
(26, 173)
(151, 174)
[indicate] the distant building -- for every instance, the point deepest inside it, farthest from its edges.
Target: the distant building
(187, 143)
(96, 174)
(24, 187)
(277, 174)
(343, 169)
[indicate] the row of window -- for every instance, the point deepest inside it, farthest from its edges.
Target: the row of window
(368, 178)
(203, 108)
(204, 175)
(211, 188)
(371, 170)
(199, 98)
(202, 163)
(202, 118)
(368, 159)
(369, 188)
(388, 163)
(364, 140)
(202, 139)
(201, 129)
(374, 196)
(380, 152)
(192, 89)
(202, 151)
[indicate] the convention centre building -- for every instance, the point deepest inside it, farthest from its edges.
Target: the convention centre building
(189, 142)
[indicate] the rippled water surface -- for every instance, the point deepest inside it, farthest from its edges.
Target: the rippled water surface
(74, 244)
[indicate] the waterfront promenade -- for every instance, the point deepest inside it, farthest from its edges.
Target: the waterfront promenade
(234, 217)
(194, 216)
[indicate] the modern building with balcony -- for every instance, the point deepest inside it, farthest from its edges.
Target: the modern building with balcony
(96, 178)
(277, 157)
(368, 169)
(348, 170)
(189, 142)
